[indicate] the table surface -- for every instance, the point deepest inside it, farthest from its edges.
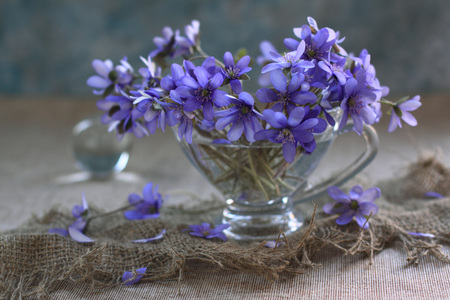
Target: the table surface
(35, 151)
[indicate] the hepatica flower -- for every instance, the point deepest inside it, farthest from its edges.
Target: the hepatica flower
(242, 116)
(147, 206)
(201, 91)
(110, 76)
(235, 72)
(292, 131)
(205, 231)
(402, 111)
(357, 204)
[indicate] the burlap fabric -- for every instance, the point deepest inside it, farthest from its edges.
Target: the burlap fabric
(34, 262)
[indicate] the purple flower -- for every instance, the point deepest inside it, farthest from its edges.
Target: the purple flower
(401, 111)
(286, 95)
(243, 117)
(317, 46)
(130, 278)
(150, 74)
(289, 60)
(176, 114)
(110, 78)
(356, 103)
(235, 72)
(151, 109)
(146, 207)
(166, 44)
(207, 232)
(192, 38)
(201, 91)
(297, 129)
(121, 115)
(358, 203)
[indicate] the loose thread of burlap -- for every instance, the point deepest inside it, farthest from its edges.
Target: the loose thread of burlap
(35, 263)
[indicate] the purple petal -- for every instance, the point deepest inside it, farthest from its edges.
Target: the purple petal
(221, 227)
(266, 134)
(337, 194)
(155, 238)
(192, 104)
(430, 235)
(410, 105)
(208, 111)
(296, 116)
(219, 235)
(78, 236)
(98, 82)
(127, 277)
(228, 59)
(370, 195)
(289, 150)
(290, 43)
(102, 68)
(134, 215)
(247, 98)
(59, 231)
(366, 208)
(243, 62)
(409, 118)
(346, 217)
(236, 86)
(394, 122)
(362, 221)
(190, 82)
(278, 80)
(216, 81)
(220, 98)
(223, 122)
(235, 131)
(356, 191)
(147, 192)
(202, 76)
(266, 95)
(433, 195)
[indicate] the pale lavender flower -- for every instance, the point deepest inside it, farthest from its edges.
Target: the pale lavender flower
(166, 44)
(357, 204)
(317, 46)
(130, 278)
(274, 244)
(150, 74)
(207, 232)
(110, 77)
(243, 117)
(265, 47)
(147, 206)
(289, 60)
(235, 72)
(191, 40)
(401, 111)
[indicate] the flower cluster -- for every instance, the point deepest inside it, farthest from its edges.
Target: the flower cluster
(302, 85)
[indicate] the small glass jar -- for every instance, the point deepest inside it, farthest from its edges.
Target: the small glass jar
(99, 151)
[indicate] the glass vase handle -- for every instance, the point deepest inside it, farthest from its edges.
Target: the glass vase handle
(371, 138)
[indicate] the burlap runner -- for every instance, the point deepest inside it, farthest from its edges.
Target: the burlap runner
(34, 262)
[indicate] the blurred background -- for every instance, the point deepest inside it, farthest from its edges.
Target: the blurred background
(46, 46)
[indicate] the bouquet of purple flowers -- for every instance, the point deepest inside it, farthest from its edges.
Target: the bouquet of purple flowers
(314, 86)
